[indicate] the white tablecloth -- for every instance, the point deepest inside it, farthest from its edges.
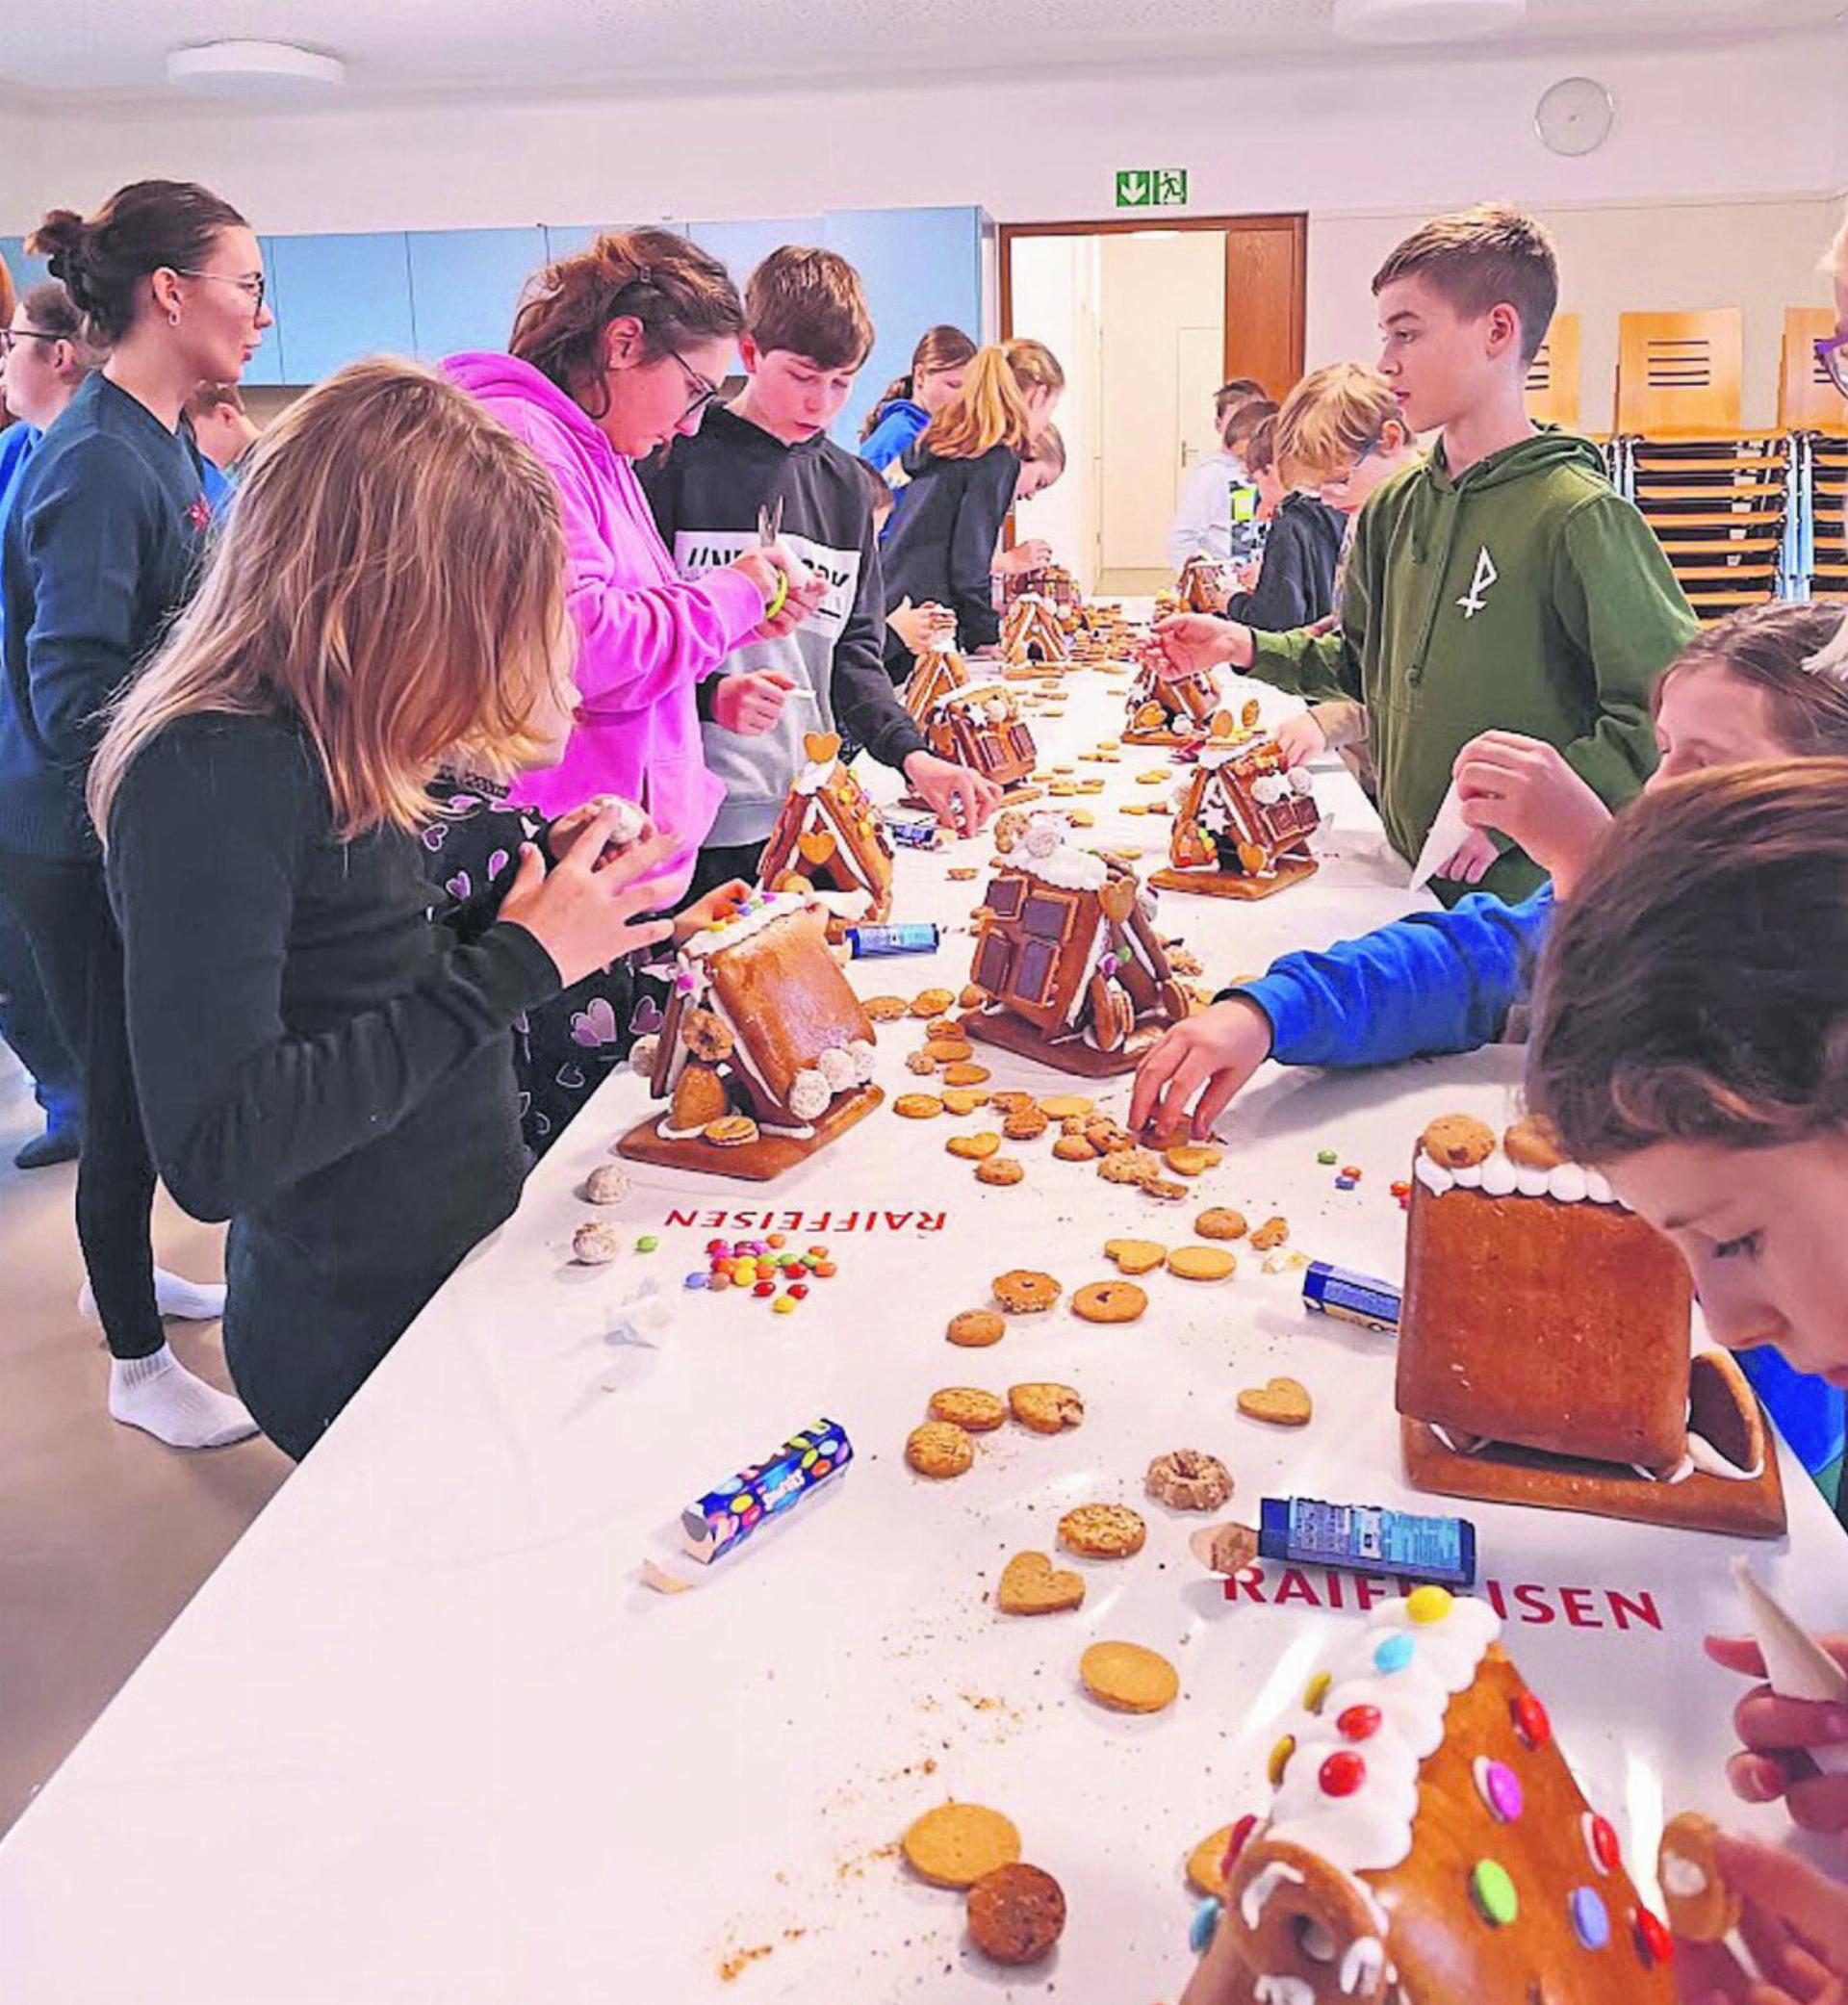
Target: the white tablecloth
(424, 1738)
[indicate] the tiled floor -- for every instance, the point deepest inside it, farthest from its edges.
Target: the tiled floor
(104, 1533)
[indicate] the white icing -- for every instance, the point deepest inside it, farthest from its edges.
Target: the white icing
(1458, 1443)
(1068, 867)
(1317, 1940)
(1495, 1177)
(809, 1093)
(1499, 1178)
(1282, 1990)
(1681, 1877)
(1568, 1184)
(1261, 1886)
(1269, 789)
(1598, 1188)
(1702, 1455)
(771, 906)
(1371, 1830)
(814, 775)
(1530, 1182)
(1363, 1963)
(1470, 1176)
(1300, 780)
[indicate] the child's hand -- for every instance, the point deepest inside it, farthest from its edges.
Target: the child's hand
(917, 626)
(1778, 1734)
(959, 796)
(1186, 641)
(775, 564)
(1213, 1054)
(1469, 864)
(561, 835)
(1300, 739)
(582, 910)
(1795, 1924)
(1524, 787)
(750, 705)
(1031, 555)
(1246, 576)
(708, 910)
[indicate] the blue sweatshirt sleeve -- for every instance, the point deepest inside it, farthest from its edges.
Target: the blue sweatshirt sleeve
(892, 435)
(1438, 980)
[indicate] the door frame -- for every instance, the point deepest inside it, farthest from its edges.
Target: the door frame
(1293, 226)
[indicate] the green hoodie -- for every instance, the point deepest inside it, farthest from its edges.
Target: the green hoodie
(1526, 595)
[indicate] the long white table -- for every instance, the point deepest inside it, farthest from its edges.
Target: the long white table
(425, 1736)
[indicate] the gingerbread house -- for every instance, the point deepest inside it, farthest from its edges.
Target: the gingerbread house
(829, 838)
(980, 726)
(1203, 585)
(1053, 583)
(1427, 1840)
(1169, 709)
(1545, 1352)
(1067, 954)
(934, 674)
(764, 1054)
(1243, 819)
(1031, 639)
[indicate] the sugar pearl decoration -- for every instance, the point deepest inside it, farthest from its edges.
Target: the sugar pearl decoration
(809, 1095)
(596, 1244)
(607, 1183)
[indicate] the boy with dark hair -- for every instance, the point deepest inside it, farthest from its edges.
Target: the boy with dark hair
(807, 335)
(1500, 583)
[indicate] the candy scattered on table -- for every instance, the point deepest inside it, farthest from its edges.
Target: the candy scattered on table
(1328, 1158)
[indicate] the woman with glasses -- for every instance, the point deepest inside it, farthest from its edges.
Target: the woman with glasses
(98, 551)
(616, 352)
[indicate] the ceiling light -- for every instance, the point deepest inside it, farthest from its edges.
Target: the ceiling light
(230, 69)
(1425, 21)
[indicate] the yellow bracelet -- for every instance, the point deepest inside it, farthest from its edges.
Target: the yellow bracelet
(780, 598)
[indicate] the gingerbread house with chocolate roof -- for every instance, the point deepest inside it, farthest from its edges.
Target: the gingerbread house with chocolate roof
(829, 838)
(1175, 709)
(1053, 583)
(1427, 1841)
(765, 1053)
(1067, 954)
(1032, 638)
(980, 726)
(1243, 819)
(1544, 1349)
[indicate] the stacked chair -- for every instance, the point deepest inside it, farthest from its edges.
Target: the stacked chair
(1813, 411)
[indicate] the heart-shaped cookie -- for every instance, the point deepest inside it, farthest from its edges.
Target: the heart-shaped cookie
(822, 746)
(1281, 1401)
(816, 846)
(1135, 1256)
(1032, 1585)
(1117, 897)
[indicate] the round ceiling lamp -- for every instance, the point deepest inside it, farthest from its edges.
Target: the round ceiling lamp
(1425, 21)
(233, 69)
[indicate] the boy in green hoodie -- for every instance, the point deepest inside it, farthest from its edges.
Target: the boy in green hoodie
(1503, 583)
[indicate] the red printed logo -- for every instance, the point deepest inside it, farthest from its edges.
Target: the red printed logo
(199, 515)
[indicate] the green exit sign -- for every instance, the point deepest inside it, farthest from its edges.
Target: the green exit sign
(1151, 188)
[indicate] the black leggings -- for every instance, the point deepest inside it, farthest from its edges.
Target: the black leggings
(64, 907)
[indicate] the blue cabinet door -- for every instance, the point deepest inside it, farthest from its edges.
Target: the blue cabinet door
(339, 297)
(26, 271)
(466, 284)
(919, 266)
(564, 240)
(739, 246)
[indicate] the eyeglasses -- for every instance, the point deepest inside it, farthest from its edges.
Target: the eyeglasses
(703, 392)
(1832, 356)
(254, 283)
(10, 335)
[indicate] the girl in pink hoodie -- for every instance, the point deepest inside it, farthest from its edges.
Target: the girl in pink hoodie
(615, 351)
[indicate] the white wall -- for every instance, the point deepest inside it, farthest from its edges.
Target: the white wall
(1761, 118)
(1056, 296)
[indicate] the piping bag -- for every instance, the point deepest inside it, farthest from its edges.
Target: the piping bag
(1449, 833)
(1796, 1665)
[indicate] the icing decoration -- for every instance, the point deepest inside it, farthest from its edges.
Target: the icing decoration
(1500, 1788)
(1204, 1925)
(1600, 1841)
(1682, 1876)
(1342, 1774)
(1047, 853)
(1318, 1944)
(809, 1095)
(1315, 1691)
(641, 1055)
(1427, 1605)
(1590, 1921)
(836, 1067)
(1235, 1844)
(1283, 1991)
(1358, 1722)
(1280, 1759)
(1263, 1885)
(1363, 1966)
(1530, 1720)
(1393, 1654)
(862, 1052)
(1653, 1943)
(1566, 1183)
(1493, 1893)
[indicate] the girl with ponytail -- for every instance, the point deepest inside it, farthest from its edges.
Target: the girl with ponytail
(939, 367)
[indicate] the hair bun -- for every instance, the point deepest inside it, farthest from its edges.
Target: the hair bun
(61, 239)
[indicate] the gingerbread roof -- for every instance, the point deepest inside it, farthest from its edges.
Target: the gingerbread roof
(829, 831)
(1242, 798)
(1031, 626)
(1203, 585)
(933, 675)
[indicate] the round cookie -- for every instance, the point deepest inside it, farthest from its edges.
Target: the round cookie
(999, 1170)
(1073, 1148)
(1017, 1914)
(1128, 1678)
(939, 1451)
(1066, 1106)
(1201, 1263)
(950, 1051)
(1108, 1302)
(1700, 1906)
(959, 1843)
(960, 1073)
(933, 1002)
(922, 1064)
(886, 1009)
(1135, 1256)
(917, 1106)
(1025, 1124)
(975, 1329)
(1221, 1222)
(968, 1408)
(1045, 1407)
(1103, 1531)
(1130, 1165)
(1023, 1291)
(1206, 1862)
(1457, 1140)
(1187, 1480)
(731, 1131)
(974, 1147)
(1533, 1144)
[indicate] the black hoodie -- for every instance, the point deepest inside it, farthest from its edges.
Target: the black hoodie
(1296, 583)
(940, 544)
(706, 492)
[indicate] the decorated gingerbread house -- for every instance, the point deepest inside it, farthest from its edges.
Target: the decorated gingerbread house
(829, 838)
(764, 1054)
(1203, 585)
(1053, 583)
(1174, 708)
(1032, 637)
(1427, 1840)
(980, 726)
(1545, 1350)
(1243, 819)
(1067, 954)
(937, 672)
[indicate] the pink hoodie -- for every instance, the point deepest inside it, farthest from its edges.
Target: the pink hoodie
(648, 634)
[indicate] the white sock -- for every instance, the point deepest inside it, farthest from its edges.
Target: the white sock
(189, 1301)
(175, 1405)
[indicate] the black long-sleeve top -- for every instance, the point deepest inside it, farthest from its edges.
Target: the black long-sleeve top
(1295, 582)
(940, 544)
